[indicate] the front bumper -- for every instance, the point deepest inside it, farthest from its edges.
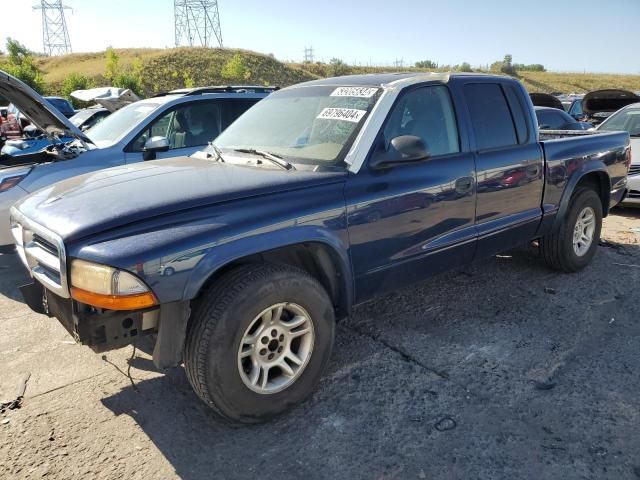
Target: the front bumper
(632, 198)
(99, 329)
(7, 199)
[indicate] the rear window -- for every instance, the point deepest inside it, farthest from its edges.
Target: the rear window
(490, 116)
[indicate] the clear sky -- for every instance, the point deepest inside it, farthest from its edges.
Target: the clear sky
(564, 35)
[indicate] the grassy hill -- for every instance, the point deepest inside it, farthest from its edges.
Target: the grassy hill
(164, 69)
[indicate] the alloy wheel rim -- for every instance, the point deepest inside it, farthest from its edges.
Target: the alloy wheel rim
(583, 231)
(276, 348)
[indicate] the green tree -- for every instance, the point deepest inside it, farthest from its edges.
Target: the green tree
(426, 64)
(507, 65)
(21, 65)
(128, 80)
(235, 69)
(75, 81)
(337, 67)
(113, 65)
(464, 67)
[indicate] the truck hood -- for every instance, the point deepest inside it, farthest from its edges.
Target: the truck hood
(40, 112)
(111, 198)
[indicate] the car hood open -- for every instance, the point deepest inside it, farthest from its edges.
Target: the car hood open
(40, 112)
(111, 198)
(607, 101)
(546, 100)
(111, 98)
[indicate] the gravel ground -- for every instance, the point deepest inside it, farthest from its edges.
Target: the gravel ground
(502, 370)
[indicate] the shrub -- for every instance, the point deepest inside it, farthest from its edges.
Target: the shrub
(235, 69)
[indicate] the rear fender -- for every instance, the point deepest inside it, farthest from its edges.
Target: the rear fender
(591, 167)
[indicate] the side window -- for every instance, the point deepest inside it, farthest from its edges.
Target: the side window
(576, 108)
(518, 113)
(490, 116)
(232, 109)
(427, 113)
(191, 125)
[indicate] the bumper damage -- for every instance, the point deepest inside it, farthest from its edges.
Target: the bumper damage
(104, 330)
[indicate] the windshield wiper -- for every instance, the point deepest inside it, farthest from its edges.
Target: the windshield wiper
(217, 151)
(281, 162)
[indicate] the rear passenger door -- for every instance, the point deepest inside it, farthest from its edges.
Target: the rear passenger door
(509, 165)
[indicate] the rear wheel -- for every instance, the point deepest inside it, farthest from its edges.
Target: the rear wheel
(259, 341)
(574, 244)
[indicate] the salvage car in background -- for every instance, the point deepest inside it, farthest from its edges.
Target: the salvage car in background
(598, 105)
(161, 127)
(546, 100)
(628, 120)
(272, 228)
(555, 119)
(108, 100)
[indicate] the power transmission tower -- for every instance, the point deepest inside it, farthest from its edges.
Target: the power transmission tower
(55, 36)
(398, 63)
(308, 54)
(197, 22)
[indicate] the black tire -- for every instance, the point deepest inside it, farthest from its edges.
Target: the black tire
(557, 247)
(219, 322)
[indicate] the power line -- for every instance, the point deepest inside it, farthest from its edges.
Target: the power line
(197, 23)
(55, 35)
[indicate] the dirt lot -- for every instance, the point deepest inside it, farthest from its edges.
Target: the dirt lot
(503, 370)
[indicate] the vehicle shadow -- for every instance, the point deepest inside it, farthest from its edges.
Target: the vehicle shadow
(12, 274)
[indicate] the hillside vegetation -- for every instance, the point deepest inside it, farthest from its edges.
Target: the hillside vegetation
(164, 69)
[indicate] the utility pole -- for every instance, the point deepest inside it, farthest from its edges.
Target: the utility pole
(308, 54)
(197, 23)
(55, 36)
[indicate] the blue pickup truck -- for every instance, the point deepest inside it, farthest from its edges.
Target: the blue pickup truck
(240, 259)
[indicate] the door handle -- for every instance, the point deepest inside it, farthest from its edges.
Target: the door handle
(464, 185)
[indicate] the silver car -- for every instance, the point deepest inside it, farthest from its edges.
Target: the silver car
(171, 125)
(628, 119)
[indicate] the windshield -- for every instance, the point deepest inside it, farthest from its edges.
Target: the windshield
(627, 120)
(61, 104)
(307, 125)
(113, 128)
(81, 116)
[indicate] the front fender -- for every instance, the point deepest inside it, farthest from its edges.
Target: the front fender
(233, 250)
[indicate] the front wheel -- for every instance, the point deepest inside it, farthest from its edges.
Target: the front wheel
(574, 244)
(259, 341)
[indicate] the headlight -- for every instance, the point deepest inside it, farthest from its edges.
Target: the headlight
(11, 179)
(108, 287)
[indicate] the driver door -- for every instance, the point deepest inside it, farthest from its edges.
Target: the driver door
(414, 219)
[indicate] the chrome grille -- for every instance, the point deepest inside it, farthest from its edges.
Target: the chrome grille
(42, 252)
(634, 170)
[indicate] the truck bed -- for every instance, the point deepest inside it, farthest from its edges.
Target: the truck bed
(567, 151)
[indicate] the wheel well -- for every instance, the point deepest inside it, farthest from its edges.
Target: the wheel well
(315, 258)
(599, 182)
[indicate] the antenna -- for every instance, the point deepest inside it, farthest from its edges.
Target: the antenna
(55, 36)
(197, 23)
(308, 54)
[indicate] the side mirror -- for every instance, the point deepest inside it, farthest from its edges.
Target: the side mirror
(402, 149)
(153, 146)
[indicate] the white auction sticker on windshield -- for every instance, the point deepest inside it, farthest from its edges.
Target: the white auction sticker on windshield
(349, 114)
(363, 92)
